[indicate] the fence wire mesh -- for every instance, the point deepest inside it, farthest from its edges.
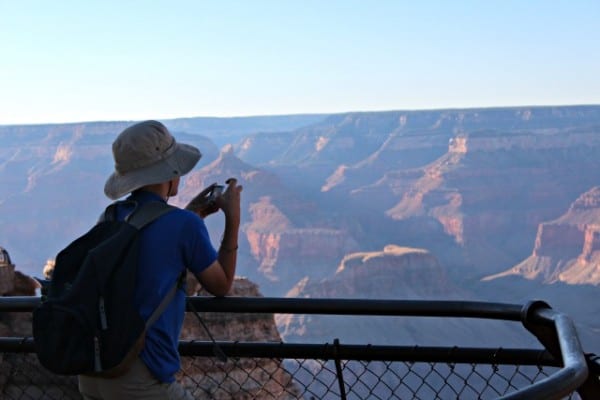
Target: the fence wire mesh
(22, 378)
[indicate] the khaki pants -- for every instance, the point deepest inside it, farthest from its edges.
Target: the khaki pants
(137, 383)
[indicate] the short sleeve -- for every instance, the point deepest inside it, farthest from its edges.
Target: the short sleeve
(198, 251)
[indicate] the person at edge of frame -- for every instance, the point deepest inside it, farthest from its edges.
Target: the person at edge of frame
(149, 163)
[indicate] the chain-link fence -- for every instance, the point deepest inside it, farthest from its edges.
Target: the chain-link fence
(22, 378)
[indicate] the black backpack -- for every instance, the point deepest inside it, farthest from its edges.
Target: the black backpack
(87, 322)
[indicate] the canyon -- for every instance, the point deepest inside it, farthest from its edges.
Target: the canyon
(496, 204)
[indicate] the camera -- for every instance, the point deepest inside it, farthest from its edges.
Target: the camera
(216, 191)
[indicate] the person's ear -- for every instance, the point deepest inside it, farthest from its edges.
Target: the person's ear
(173, 186)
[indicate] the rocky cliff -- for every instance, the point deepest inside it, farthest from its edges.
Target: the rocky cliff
(397, 273)
(491, 189)
(285, 253)
(568, 248)
(394, 273)
(472, 185)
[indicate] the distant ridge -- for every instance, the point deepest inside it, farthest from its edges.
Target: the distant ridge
(220, 130)
(277, 121)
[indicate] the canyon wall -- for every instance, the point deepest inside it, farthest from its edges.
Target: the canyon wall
(568, 248)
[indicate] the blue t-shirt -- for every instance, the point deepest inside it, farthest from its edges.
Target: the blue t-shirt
(170, 244)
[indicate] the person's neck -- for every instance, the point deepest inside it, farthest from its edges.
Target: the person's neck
(160, 189)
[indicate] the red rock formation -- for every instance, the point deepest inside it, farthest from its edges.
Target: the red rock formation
(568, 248)
(280, 248)
(428, 196)
(492, 189)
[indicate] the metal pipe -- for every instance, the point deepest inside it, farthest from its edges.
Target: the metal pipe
(416, 308)
(367, 352)
(19, 303)
(338, 368)
(420, 308)
(574, 371)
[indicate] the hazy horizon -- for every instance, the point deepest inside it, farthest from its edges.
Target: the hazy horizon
(307, 113)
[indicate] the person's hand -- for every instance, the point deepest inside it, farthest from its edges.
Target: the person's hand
(202, 204)
(229, 202)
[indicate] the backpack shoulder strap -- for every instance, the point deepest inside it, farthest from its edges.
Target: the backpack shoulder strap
(147, 213)
(110, 212)
(166, 300)
(139, 218)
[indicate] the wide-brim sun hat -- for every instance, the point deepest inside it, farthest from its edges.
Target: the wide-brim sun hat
(146, 153)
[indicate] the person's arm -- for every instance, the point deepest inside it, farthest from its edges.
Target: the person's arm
(218, 277)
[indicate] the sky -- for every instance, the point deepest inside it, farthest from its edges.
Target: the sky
(72, 61)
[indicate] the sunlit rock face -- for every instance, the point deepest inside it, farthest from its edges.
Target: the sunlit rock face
(494, 185)
(568, 248)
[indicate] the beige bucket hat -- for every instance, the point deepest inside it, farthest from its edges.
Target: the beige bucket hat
(147, 153)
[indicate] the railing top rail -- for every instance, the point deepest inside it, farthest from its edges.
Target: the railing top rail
(332, 306)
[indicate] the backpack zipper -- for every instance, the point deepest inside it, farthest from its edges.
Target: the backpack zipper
(97, 361)
(102, 309)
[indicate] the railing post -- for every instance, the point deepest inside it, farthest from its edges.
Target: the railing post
(338, 368)
(557, 334)
(545, 334)
(591, 387)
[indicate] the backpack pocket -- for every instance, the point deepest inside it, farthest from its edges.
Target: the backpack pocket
(64, 339)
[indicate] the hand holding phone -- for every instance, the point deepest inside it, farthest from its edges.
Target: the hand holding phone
(216, 191)
(205, 203)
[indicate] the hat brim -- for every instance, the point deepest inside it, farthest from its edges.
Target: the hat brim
(183, 160)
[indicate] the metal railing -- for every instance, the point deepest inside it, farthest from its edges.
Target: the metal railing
(336, 370)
